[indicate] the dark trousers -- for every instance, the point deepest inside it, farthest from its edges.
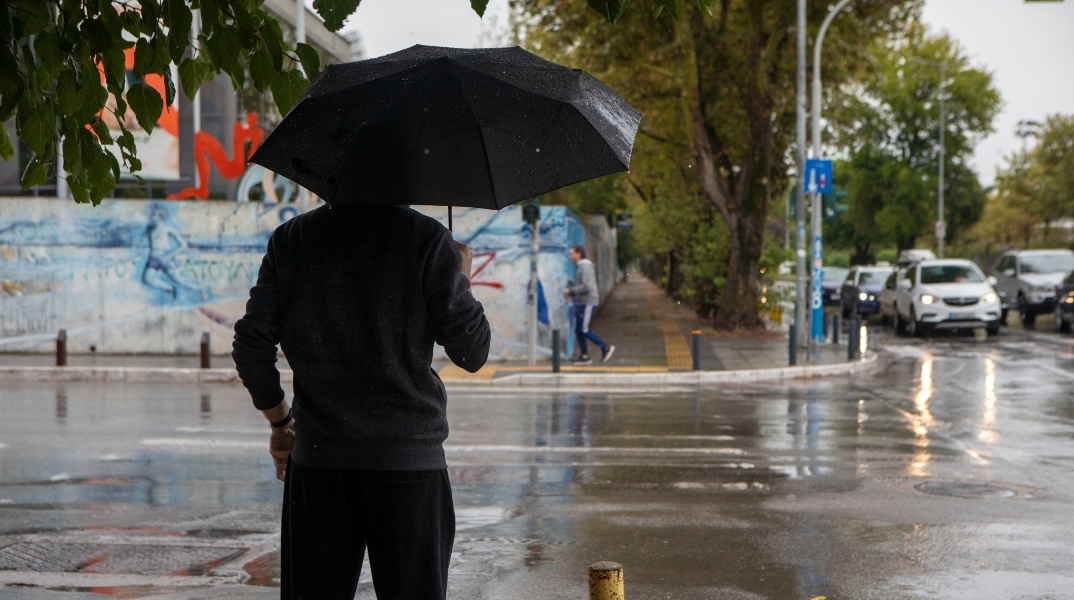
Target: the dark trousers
(330, 516)
(582, 316)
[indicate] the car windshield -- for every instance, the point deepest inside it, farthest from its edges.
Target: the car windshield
(949, 274)
(834, 274)
(1048, 263)
(872, 277)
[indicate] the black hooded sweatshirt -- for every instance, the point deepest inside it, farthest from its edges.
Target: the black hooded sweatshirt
(356, 296)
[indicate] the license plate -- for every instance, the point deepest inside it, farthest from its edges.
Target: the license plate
(962, 316)
(835, 296)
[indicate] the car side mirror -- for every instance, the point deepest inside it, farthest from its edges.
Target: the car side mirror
(992, 281)
(1008, 273)
(905, 284)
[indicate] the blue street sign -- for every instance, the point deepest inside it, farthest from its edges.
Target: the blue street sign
(818, 177)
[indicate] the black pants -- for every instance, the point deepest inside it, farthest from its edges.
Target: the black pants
(330, 516)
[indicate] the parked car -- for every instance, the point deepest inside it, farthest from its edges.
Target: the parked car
(831, 283)
(861, 290)
(945, 294)
(1026, 280)
(887, 297)
(909, 257)
(1064, 304)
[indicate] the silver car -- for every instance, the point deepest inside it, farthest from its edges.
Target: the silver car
(1026, 280)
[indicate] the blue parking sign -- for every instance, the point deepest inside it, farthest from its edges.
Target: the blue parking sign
(818, 177)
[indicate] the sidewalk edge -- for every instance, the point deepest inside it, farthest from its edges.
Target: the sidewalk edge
(620, 382)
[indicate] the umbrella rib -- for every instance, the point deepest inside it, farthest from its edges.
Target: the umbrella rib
(481, 131)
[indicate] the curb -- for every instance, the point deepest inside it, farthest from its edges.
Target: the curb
(619, 382)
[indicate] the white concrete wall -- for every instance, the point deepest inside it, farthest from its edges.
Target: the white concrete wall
(147, 277)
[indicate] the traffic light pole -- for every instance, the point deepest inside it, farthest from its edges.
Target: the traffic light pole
(817, 299)
(799, 192)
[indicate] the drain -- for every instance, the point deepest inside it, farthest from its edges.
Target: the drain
(961, 489)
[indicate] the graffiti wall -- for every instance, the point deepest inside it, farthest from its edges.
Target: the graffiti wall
(148, 277)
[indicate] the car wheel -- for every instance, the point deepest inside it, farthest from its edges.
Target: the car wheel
(900, 325)
(1060, 324)
(1003, 316)
(993, 329)
(914, 327)
(1028, 318)
(884, 320)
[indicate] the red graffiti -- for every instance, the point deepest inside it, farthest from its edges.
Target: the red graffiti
(207, 147)
(489, 257)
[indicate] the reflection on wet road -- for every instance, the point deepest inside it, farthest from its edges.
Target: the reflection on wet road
(945, 475)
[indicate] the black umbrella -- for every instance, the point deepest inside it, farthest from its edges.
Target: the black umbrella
(446, 126)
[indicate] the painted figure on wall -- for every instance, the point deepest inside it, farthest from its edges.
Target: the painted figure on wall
(165, 243)
(208, 148)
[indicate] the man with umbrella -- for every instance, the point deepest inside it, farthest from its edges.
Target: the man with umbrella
(357, 292)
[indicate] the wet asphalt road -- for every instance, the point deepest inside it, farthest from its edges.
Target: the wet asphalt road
(947, 474)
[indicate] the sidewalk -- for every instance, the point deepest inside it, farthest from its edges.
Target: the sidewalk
(652, 334)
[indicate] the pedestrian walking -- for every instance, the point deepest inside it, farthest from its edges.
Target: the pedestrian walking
(586, 298)
(356, 296)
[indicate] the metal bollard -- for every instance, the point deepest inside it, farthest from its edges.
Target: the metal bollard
(61, 348)
(555, 351)
(827, 323)
(792, 345)
(697, 349)
(206, 360)
(606, 581)
(854, 337)
(835, 329)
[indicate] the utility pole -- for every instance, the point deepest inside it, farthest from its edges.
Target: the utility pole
(799, 184)
(816, 300)
(941, 228)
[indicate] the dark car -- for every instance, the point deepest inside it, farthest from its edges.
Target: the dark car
(861, 290)
(1064, 304)
(831, 283)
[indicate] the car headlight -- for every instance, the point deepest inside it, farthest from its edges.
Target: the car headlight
(863, 296)
(927, 298)
(872, 297)
(989, 297)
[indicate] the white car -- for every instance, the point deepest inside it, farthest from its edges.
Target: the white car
(887, 297)
(945, 294)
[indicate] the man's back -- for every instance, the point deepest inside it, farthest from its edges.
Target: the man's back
(356, 295)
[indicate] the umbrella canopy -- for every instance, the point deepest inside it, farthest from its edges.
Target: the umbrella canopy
(452, 127)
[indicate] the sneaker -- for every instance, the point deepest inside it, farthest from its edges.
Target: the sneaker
(582, 361)
(608, 352)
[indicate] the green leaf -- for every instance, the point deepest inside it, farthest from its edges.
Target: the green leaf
(335, 12)
(150, 15)
(178, 18)
(89, 148)
(192, 72)
(47, 48)
(169, 88)
(146, 104)
(71, 162)
(245, 25)
(67, 92)
(672, 7)
(479, 6)
(111, 21)
(224, 50)
(79, 190)
(115, 70)
(32, 15)
(706, 6)
(210, 16)
(36, 173)
(103, 134)
(311, 62)
(272, 40)
(611, 10)
(132, 22)
(126, 141)
(286, 89)
(148, 58)
(7, 150)
(261, 69)
(40, 127)
(8, 102)
(96, 35)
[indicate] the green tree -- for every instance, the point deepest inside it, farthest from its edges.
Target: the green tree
(61, 59)
(717, 94)
(888, 121)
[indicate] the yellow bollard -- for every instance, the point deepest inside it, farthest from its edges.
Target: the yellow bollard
(606, 581)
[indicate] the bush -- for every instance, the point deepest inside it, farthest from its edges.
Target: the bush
(837, 259)
(890, 255)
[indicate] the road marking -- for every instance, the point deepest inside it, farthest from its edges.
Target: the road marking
(202, 443)
(593, 450)
(675, 349)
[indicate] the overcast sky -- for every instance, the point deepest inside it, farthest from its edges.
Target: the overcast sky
(1029, 46)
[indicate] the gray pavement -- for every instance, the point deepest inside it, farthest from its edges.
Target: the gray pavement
(947, 474)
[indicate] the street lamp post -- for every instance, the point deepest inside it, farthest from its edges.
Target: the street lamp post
(941, 226)
(818, 216)
(799, 193)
